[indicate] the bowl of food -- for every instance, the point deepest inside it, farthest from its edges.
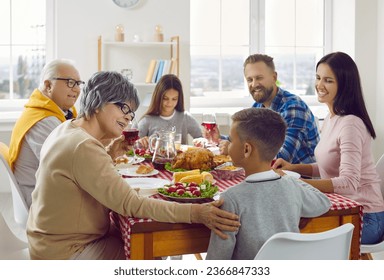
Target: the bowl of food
(189, 192)
(227, 171)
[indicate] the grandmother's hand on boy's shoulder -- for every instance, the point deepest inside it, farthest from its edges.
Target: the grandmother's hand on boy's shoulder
(214, 218)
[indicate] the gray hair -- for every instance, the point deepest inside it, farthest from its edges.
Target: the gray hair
(50, 70)
(107, 87)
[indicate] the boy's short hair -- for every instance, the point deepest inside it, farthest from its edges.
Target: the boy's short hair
(263, 127)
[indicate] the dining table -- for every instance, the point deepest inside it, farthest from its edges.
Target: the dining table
(148, 239)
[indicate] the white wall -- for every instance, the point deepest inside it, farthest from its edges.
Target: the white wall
(79, 23)
(379, 90)
(367, 59)
(343, 15)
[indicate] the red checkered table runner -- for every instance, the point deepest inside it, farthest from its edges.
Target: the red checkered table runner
(125, 223)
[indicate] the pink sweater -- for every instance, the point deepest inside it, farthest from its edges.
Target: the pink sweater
(344, 155)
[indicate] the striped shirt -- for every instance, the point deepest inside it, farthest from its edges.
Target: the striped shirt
(302, 134)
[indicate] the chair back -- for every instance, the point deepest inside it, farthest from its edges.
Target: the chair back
(20, 207)
(11, 247)
(380, 171)
(333, 244)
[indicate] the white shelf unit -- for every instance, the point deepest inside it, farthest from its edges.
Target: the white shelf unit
(116, 56)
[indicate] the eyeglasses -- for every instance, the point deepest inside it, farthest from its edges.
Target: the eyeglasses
(125, 109)
(71, 83)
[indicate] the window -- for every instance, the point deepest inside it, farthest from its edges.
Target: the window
(224, 33)
(22, 46)
(294, 36)
(219, 44)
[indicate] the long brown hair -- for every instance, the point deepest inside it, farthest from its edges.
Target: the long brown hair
(165, 83)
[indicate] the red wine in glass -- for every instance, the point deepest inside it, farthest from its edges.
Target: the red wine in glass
(131, 135)
(209, 121)
(209, 125)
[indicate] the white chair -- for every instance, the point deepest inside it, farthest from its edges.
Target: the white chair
(366, 250)
(11, 247)
(333, 244)
(20, 207)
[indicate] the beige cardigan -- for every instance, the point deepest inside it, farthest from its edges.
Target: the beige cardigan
(76, 187)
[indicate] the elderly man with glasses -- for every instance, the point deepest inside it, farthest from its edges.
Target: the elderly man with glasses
(48, 106)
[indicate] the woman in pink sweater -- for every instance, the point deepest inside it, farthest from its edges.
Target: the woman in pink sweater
(345, 162)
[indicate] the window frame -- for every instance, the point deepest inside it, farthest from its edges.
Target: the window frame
(257, 45)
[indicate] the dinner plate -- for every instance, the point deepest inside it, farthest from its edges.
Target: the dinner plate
(147, 186)
(291, 173)
(131, 171)
(136, 160)
(187, 199)
(121, 166)
(131, 161)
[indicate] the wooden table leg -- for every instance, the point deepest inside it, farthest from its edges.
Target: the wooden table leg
(141, 246)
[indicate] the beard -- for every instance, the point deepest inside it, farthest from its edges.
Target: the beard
(262, 95)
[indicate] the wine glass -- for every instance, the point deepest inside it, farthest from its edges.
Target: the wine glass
(138, 151)
(131, 133)
(209, 123)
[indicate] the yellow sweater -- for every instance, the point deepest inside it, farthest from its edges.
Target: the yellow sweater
(76, 187)
(38, 107)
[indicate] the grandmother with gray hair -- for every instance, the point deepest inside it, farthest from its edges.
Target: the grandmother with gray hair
(48, 106)
(77, 185)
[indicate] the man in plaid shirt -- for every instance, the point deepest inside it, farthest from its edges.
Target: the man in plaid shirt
(302, 134)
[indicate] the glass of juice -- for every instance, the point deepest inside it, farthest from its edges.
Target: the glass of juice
(178, 141)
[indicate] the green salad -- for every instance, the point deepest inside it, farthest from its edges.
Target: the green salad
(168, 166)
(190, 190)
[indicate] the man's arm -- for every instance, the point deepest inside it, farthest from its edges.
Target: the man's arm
(298, 121)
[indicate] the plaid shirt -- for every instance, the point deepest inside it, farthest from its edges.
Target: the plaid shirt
(302, 133)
